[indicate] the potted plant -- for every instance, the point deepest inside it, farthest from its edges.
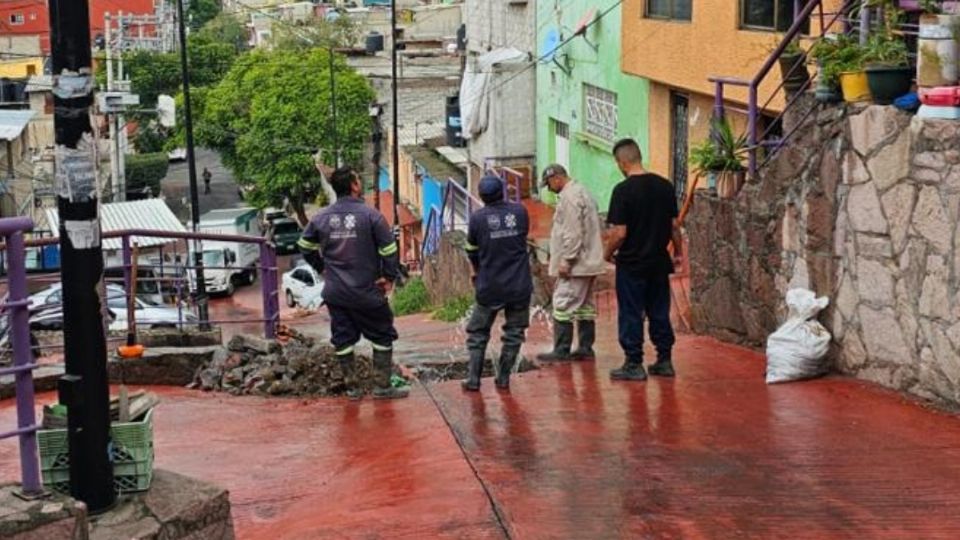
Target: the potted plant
(841, 63)
(887, 64)
(937, 46)
(720, 159)
(793, 68)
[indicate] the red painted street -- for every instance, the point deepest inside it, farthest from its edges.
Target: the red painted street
(715, 453)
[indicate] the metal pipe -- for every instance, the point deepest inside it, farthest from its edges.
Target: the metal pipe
(23, 357)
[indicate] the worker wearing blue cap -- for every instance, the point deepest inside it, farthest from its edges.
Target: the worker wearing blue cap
(497, 247)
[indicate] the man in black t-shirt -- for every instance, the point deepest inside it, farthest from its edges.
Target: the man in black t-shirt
(643, 220)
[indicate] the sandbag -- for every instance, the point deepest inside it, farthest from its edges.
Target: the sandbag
(797, 349)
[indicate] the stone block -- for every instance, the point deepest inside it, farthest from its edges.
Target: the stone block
(822, 271)
(874, 282)
(830, 173)
(820, 222)
(723, 306)
(892, 164)
(869, 129)
(882, 336)
(854, 353)
(898, 205)
(847, 298)
(930, 220)
(863, 208)
(930, 160)
(854, 171)
(923, 175)
(934, 295)
(874, 247)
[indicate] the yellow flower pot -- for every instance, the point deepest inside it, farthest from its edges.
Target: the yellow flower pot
(854, 86)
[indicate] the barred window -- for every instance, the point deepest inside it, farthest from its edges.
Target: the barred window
(678, 10)
(600, 117)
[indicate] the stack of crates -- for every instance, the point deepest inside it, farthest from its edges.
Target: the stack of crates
(131, 452)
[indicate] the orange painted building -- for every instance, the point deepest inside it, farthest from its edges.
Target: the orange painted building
(31, 17)
(679, 44)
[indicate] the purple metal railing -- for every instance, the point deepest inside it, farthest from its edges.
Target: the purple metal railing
(17, 308)
(268, 271)
(755, 139)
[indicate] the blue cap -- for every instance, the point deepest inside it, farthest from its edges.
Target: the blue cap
(490, 186)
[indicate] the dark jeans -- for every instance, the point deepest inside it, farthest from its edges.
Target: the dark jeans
(514, 327)
(638, 298)
(348, 324)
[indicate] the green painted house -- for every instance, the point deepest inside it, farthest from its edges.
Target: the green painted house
(585, 103)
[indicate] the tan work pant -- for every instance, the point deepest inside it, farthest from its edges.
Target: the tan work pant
(573, 299)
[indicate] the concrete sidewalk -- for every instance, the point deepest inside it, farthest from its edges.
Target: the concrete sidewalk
(714, 453)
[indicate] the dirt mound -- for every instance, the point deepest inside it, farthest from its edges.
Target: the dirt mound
(299, 367)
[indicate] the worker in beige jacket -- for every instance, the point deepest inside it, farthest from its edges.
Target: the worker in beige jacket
(576, 259)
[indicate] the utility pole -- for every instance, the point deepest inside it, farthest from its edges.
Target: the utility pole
(333, 108)
(396, 130)
(83, 389)
(375, 113)
(192, 171)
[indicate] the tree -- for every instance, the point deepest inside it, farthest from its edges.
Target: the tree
(225, 28)
(145, 171)
(202, 11)
(152, 73)
(270, 116)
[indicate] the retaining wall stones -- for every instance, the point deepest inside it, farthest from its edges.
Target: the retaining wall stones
(864, 207)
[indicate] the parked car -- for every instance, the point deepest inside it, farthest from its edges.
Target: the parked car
(177, 154)
(47, 312)
(303, 287)
(284, 234)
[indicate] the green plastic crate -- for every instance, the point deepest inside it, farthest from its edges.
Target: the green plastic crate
(132, 455)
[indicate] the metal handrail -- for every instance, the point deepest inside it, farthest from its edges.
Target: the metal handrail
(18, 312)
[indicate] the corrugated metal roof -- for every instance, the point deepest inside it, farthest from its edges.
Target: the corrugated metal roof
(12, 123)
(149, 214)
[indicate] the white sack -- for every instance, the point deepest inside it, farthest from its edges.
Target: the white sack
(797, 349)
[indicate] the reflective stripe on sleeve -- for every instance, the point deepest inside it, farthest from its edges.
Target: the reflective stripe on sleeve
(388, 250)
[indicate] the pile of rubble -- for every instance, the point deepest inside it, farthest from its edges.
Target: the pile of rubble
(298, 367)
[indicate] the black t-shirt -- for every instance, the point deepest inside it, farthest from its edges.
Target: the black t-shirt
(646, 205)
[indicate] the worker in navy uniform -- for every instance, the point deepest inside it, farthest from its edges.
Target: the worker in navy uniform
(497, 247)
(351, 245)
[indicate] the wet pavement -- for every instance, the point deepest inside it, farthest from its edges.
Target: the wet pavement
(715, 453)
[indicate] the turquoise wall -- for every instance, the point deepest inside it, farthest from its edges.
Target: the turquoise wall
(560, 97)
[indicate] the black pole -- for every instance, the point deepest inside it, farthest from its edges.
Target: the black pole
(333, 107)
(83, 388)
(377, 149)
(396, 129)
(192, 172)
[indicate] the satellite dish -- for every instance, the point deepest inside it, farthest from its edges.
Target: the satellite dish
(550, 44)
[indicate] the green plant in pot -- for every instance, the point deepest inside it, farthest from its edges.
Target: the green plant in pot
(720, 158)
(841, 61)
(887, 63)
(793, 68)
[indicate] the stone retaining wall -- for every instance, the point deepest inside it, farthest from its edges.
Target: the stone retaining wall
(862, 207)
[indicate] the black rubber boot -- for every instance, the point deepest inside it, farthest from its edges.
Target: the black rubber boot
(663, 367)
(586, 336)
(632, 370)
(474, 372)
(383, 365)
(348, 366)
(562, 341)
(507, 359)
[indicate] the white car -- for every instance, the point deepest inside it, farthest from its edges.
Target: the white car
(303, 287)
(177, 154)
(147, 315)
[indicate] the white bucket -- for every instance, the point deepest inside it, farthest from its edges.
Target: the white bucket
(937, 51)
